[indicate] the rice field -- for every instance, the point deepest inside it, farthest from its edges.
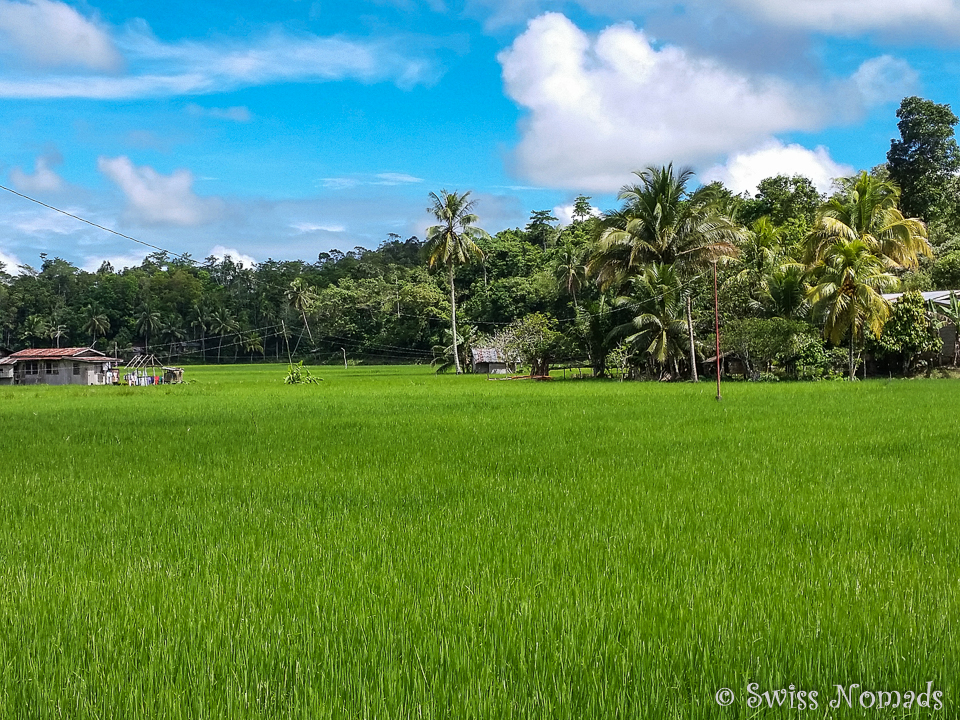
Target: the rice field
(393, 544)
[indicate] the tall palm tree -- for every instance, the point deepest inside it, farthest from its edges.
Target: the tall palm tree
(846, 295)
(452, 243)
(148, 324)
(866, 209)
(34, 328)
(761, 252)
(253, 343)
(301, 298)
(785, 292)
(223, 325)
(571, 271)
(663, 222)
(58, 331)
(97, 323)
(658, 329)
(200, 321)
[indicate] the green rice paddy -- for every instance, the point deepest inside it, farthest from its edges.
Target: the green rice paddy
(393, 544)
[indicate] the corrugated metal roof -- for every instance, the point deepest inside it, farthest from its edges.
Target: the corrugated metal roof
(941, 297)
(57, 353)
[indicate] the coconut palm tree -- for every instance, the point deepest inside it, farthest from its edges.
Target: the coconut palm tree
(253, 343)
(846, 294)
(223, 325)
(34, 328)
(866, 209)
(785, 292)
(663, 222)
(301, 297)
(148, 324)
(452, 243)
(200, 322)
(658, 329)
(97, 323)
(570, 271)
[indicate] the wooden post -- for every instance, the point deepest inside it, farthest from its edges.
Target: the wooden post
(716, 320)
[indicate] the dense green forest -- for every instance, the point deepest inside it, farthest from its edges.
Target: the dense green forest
(799, 279)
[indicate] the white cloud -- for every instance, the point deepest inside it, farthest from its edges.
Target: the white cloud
(162, 69)
(237, 114)
(602, 107)
(306, 227)
(11, 264)
(43, 179)
(53, 34)
(159, 199)
(847, 17)
(220, 252)
(46, 221)
(884, 79)
(92, 263)
(397, 179)
(743, 171)
(564, 213)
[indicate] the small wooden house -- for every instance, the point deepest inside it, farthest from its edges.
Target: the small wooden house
(58, 366)
(489, 361)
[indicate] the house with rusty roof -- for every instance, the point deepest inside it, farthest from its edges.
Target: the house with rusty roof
(58, 366)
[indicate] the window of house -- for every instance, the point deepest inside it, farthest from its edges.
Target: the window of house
(32, 368)
(76, 368)
(50, 368)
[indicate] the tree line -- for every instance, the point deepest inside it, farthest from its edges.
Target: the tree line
(800, 278)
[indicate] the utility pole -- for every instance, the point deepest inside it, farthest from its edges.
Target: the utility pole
(344, 358)
(716, 320)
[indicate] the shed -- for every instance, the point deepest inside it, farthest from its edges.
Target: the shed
(489, 361)
(950, 352)
(58, 366)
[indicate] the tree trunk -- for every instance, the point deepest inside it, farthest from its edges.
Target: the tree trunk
(693, 347)
(453, 324)
(853, 369)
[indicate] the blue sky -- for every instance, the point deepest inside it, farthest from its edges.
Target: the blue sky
(286, 129)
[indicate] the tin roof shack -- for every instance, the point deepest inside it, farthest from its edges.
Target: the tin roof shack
(58, 366)
(489, 361)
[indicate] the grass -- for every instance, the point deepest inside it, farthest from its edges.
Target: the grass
(392, 544)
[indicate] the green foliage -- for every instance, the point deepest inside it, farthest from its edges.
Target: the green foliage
(393, 545)
(299, 375)
(784, 199)
(925, 158)
(945, 274)
(540, 230)
(758, 342)
(910, 333)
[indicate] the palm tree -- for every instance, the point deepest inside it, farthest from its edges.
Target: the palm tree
(571, 271)
(849, 279)
(761, 252)
(148, 324)
(57, 331)
(172, 331)
(453, 243)
(200, 322)
(97, 323)
(252, 342)
(223, 325)
(785, 292)
(34, 328)
(662, 222)
(443, 355)
(301, 298)
(866, 209)
(659, 329)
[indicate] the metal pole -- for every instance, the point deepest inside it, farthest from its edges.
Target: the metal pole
(716, 311)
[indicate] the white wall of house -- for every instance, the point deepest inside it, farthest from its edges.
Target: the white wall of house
(63, 372)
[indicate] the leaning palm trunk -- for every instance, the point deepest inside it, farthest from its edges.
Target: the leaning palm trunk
(693, 347)
(853, 367)
(453, 323)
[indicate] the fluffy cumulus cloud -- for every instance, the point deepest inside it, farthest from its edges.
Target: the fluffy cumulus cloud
(189, 67)
(43, 179)
(159, 199)
(9, 263)
(220, 252)
(600, 107)
(743, 171)
(53, 34)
